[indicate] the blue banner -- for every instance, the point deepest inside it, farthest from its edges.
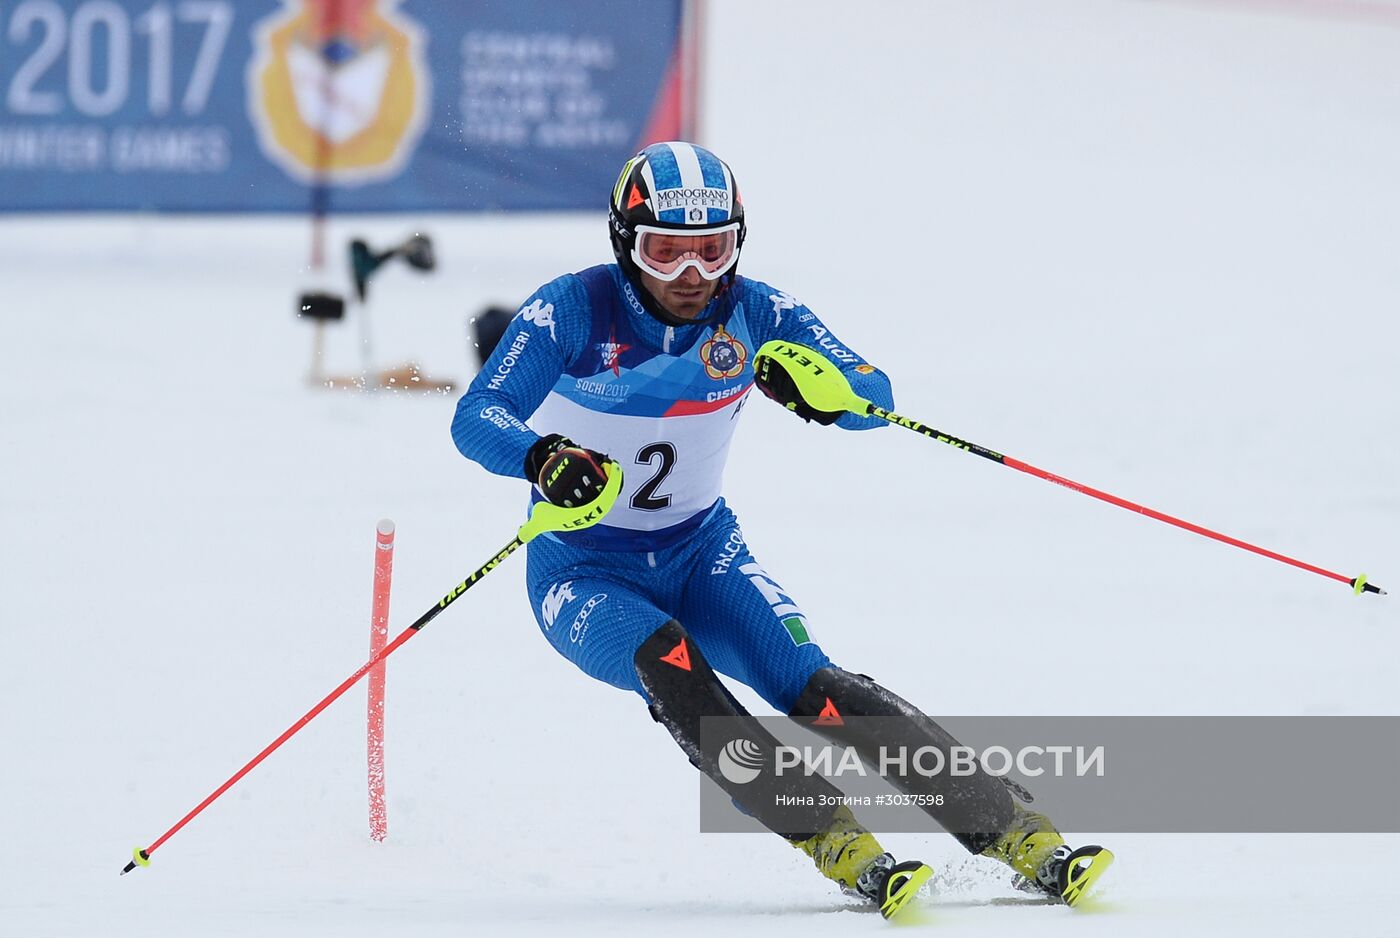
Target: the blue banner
(342, 105)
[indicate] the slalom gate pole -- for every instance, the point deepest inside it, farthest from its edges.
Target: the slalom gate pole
(543, 517)
(824, 388)
(378, 637)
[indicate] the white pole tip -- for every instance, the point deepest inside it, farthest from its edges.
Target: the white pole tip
(386, 527)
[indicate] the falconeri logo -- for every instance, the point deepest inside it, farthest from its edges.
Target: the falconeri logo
(338, 89)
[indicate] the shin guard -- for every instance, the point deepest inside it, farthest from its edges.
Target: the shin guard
(976, 808)
(682, 690)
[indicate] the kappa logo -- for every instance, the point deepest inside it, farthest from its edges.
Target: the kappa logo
(338, 92)
(558, 596)
(782, 301)
(783, 607)
(541, 314)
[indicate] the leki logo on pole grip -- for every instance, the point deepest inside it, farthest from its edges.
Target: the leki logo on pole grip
(799, 355)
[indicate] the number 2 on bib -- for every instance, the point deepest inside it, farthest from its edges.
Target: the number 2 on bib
(646, 498)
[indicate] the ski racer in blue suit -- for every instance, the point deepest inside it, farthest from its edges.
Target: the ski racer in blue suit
(651, 360)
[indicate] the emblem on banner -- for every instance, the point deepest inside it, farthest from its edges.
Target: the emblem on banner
(338, 89)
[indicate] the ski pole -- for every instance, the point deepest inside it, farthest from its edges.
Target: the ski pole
(543, 517)
(824, 388)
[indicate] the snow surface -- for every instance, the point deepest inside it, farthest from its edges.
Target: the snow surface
(1149, 246)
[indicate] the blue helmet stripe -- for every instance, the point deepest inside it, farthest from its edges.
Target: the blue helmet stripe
(710, 168)
(667, 173)
(713, 172)
(664, 168)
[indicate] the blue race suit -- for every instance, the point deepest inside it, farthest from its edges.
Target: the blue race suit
(584, 358)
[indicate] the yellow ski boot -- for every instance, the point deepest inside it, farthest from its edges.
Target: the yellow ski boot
(1043, 862)
(850, 856)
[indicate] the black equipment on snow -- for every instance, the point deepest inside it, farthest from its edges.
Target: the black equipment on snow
(683, 689)
(321, 306)
(417, 251)
(488, 326)
(976, 809)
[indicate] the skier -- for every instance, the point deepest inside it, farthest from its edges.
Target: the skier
(650, 361)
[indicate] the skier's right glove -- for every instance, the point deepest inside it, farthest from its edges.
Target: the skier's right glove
(567, 474)
(774, 381)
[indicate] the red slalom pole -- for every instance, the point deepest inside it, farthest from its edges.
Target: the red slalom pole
(378, 635)
(543, 517)
(142, 857)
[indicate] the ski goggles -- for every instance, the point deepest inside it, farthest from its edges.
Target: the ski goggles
(665, 253)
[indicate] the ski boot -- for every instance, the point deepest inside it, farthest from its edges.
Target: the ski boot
(1044, 863)
(850, 856)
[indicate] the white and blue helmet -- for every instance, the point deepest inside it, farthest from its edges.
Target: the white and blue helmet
(685, 200)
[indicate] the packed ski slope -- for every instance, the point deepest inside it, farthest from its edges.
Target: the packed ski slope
(1150, 246)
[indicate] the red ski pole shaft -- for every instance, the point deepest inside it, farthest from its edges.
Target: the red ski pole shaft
(1357, 583)
(142, 857)
(823, 387)
(287, 734)
(543, 517)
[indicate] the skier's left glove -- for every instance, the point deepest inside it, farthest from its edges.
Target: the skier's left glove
(777, 384)
(567, 474)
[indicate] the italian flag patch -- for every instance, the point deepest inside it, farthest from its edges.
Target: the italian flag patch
(797, 628)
